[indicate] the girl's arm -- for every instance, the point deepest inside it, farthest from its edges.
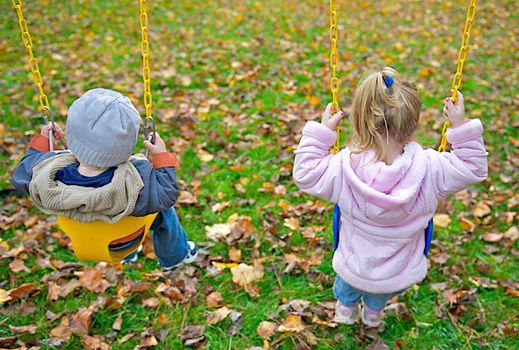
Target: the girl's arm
(467, 163)
(316, 171)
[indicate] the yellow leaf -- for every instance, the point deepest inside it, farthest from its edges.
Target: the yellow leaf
(222, 266)
(314, 101)
(442, 220)
(4, 296)
(293, 323)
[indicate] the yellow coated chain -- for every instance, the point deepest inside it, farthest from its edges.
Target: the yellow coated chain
(462, 56)
(33, 62)
(146, 72)
(334, 63)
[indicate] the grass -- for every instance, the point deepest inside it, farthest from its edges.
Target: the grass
(263, 61)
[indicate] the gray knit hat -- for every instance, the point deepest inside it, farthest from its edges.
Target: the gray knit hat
(102, 128)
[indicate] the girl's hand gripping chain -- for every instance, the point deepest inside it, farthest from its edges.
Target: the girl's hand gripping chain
(455, 112)
(329, 120)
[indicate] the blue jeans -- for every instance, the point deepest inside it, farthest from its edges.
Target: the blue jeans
(349, 296)
(169, 239)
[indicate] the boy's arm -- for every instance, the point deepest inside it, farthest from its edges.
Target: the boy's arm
(160, 189)
(39, 150)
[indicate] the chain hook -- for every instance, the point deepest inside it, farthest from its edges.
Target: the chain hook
(49, 118)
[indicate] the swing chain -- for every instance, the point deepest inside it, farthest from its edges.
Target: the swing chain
(458, 77)
(33, 62)
(145, 51)
(334, 63)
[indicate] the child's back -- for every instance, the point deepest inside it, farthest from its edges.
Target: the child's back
(386, 204)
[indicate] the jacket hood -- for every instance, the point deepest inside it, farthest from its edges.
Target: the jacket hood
(386, 193)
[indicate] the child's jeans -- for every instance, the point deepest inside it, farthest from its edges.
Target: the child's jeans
(349, 296)
(169, 239)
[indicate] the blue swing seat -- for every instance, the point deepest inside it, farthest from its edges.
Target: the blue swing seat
(337, 222)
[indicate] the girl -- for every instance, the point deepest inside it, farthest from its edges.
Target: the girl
(387, 188)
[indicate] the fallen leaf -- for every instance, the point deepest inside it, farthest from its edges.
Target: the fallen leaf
(293, 323)
(218, 315)
(442, 220)
(18, 265)
(292, 223)
(481, 209)
(4, 296)
(23, 329)
(214, 299)
(63, 330)
(234, 254)
(266, 329)
(118, 323)
(94, 343)
(493, 237)
(187, 197)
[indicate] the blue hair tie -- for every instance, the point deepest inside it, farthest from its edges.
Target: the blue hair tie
(388, 80)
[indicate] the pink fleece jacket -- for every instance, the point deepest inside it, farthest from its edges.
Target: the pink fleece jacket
(385, 208)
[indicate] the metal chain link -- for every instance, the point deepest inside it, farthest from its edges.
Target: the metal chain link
(145, 51)
(33, 62)
(149, 122)
(334, 63)
(458, 77)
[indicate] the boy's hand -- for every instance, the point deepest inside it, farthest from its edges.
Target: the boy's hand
(329, 120)
(455, 112)
(58, 133)
(158, 147)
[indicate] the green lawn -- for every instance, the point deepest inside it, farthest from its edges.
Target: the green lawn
(233, 84)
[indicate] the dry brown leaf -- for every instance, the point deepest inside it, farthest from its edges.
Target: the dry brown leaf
(118, 323)
(80, 320)
(442, 220)
(18, 265)
(244, 274)
(512, 233)
(481, 209)
(92, 280)
(150, 302)
(53, 291)
(63, 330)
(234, 254)
(466, 224)
(214, 299)
(293, 323)
(203, 155)
(292, 223)
(220, 206)
(266, 329)
(4, 296)
(94, 343)
(218, 315)
(218, 231)
(187, 197)
(26, 288)
(23, 329)
(493, 237)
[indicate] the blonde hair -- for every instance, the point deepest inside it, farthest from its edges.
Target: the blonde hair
(380, 112)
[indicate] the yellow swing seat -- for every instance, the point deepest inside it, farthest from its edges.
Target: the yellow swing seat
(91, 241)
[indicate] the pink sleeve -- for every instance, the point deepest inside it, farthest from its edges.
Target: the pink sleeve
(465, 165)
(316, 171)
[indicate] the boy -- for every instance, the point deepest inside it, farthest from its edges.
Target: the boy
(99, 179)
